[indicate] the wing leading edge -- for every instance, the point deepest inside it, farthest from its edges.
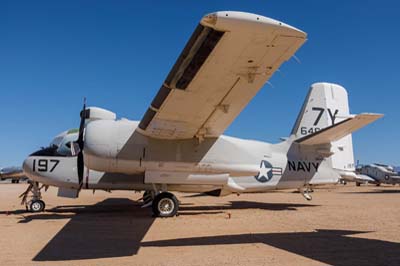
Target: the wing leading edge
(227, 60)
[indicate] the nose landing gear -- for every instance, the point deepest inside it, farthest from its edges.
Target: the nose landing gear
(35, 203)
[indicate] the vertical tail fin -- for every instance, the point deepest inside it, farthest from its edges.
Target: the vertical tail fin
(327, 104)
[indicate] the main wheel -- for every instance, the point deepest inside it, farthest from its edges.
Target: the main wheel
(165, 204)
(37, 206)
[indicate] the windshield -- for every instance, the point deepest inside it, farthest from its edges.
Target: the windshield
(63, 144)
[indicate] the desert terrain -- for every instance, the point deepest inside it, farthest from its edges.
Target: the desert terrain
(342, 225)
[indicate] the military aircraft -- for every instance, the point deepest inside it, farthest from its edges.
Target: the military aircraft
(178, 144)
(377, 174)
(14, 173)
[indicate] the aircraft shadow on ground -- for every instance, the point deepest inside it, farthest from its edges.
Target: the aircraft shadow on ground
(111, 228)
(375, 191)
(333, 247)
(116, 227)
(240, 205)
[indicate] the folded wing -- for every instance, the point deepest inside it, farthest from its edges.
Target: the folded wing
(227, 60)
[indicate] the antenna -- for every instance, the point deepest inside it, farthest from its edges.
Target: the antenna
(297, 59)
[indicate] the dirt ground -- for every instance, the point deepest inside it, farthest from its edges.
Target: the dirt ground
(342, 225)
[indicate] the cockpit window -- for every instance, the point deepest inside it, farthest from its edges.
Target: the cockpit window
(65, 149)
(48, 151)
(58, 139)
(62, 145)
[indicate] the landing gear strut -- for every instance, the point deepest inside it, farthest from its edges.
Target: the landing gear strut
(148, 197)
(35, 203)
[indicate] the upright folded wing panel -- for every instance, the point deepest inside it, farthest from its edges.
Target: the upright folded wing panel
(228, 59)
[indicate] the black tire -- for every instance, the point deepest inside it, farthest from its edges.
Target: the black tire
(358, 184)
(165, 204)
(37, 206)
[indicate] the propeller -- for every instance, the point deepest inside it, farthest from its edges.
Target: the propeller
(80, 162)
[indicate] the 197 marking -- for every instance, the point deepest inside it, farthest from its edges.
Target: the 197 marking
(43, 165)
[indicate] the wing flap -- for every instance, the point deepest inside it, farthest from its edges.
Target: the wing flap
(339, 130)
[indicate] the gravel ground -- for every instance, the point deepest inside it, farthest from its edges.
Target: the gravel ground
(342, 225)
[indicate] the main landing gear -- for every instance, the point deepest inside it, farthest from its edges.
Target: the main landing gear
(163, 204)
(35, 202)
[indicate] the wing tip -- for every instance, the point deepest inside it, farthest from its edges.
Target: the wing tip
(371, 116)
(220, 19)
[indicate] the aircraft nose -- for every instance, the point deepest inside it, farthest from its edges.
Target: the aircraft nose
(27, 167)
(34, 170)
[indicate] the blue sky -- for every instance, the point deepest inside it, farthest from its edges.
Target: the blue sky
(117, 54)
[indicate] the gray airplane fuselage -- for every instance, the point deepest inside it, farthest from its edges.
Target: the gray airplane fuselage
(117, 154)
(233, 165)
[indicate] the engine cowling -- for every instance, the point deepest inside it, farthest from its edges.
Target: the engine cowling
(104, 140)
(97, 113)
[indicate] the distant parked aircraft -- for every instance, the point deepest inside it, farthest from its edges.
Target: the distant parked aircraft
(15, 173)
(377, 174)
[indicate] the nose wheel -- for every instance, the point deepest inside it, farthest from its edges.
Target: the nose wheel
(165, 204)
(35, 202)
(36, 205)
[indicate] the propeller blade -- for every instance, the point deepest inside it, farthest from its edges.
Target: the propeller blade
(82, 125)
(80, 168)
(80, 161)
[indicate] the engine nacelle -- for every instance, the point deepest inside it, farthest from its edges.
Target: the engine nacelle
(105, 141)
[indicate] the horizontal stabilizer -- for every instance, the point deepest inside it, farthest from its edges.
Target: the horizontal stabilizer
(339, 130)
